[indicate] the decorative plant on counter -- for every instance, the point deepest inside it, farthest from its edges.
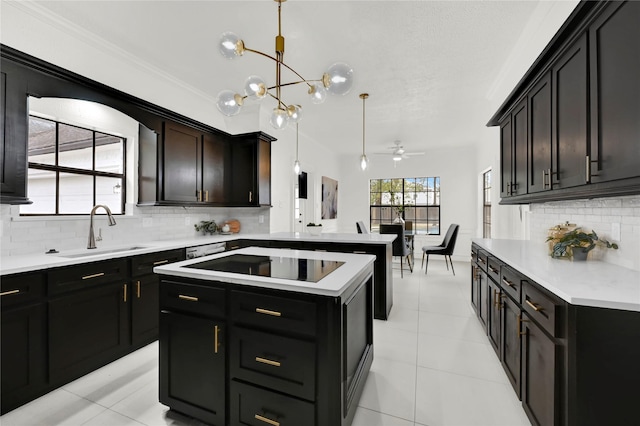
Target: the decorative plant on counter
(314, 229)
(313, 224)
(207, 227)
(577, 244)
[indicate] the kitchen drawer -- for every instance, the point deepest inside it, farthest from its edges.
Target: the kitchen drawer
(493, 268)
(87, 275)
(207, 301)
(272, 361)
(19, 289)
(474, 253)
(273, 313)
(259, 407)
(144, 264)
(511, 282)
(542, 307)
(483, 259)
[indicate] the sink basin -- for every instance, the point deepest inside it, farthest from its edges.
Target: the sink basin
(100, 252)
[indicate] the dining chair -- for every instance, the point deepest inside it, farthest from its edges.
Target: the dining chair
(445, 248)
(361, 228)
(399, 246)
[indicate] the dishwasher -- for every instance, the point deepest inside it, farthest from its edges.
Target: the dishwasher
(204, 250)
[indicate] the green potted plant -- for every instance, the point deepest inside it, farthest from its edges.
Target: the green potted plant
(207, 227)
(314, 229)
(577, 244)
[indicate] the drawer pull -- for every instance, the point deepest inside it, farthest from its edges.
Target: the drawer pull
(216, 344)
(266, 420)
(124, 293)
(268, 312)
(534, 306)
(7, 293)
(520, 321)
(189, 298)
(267, 361)
(160, 262)
(507, 282)
(138, 289)
(88, 277)
(492, 269)
(359, 252)
(482, 260)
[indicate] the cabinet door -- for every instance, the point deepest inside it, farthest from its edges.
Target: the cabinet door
(519, 149)
(192, 366)
(475, 287)
(145, 309)
(493, 317)
(614, 40)
(264, 172)
(87, 328)
(483, 296)
(23, 352)
(571, 106)
(243, 168)
(213, 177)
(539, 174)
(510, 345)
(506, 154)
(540, 375)
(182, 157)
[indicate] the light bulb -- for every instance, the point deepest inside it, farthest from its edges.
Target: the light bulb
(255, 87)
(363, 162)
(230, 45)
(296, 167)
(229, 103)
(295, 113)
(397, 157)
(318, 93)
(338, 79)
(279, 118)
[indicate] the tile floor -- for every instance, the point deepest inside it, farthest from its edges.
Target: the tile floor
(433, 366)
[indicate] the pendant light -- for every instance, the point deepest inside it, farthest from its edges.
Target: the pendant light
(363, 158)
(296, 164)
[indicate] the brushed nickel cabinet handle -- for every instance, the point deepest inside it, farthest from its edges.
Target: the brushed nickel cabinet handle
(268, 312)
(124, 293)
(189, 298)
(267, 361)
(9, 292)
(87, 277)
(266, 420)
(160, 262)
(534, 306)
(216, 344)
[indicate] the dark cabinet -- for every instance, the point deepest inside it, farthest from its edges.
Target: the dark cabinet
(513, 154)
(510, 344)
(475, 287)
(192, 370)
(539, 155)
(493, 314)
(250, 170)
(483, 295)
(614, 43)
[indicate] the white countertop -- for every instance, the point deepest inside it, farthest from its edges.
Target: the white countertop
(40, 261)
(590, 283)
(333, 284)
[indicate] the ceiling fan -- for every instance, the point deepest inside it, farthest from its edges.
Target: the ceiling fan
(398, 152)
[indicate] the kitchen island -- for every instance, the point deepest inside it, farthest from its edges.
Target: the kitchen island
(259, 335)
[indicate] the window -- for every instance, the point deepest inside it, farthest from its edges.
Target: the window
(71, 169)
(413, 199)
(486, 204)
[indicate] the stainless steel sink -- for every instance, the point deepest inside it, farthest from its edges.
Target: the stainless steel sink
(100, 252)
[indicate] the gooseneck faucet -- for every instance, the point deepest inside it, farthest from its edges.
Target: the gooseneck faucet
(112, 221)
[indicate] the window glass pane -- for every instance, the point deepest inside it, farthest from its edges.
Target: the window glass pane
(409, 213)
(431, 198)
(437, 200)
(75, 147)
(375, 198)
(76, 193)
(386, 214)
(42, 142)
(375, 213)
(433, 220)
(375, 185)
(109, 153)
(109, 193)
(42, 191)
(421, 198)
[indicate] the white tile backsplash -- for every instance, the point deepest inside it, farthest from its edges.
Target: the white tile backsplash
(597, 215)
(25, 235)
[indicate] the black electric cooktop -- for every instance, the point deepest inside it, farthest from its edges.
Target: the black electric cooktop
(312, 270)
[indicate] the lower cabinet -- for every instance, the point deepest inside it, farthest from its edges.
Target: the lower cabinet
(145, 305)
(494, 306)
(192, 366)
(511, 347)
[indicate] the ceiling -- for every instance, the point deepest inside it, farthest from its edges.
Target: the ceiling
(427, 65)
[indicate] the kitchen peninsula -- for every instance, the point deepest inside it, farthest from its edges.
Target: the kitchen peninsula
(274, 335)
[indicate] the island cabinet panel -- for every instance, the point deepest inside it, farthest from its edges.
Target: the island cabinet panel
(614, 40)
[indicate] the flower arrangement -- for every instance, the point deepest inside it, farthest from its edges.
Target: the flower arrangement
(577, 244)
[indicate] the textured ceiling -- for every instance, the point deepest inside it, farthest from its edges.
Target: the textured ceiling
(428, 65)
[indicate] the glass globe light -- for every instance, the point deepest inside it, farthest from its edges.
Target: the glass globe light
(363, 162)
(295, 113)
(296, 167)
(318, 93)
(279, 118)
(255, 87)
(338, 79)
(231, 46)
(229, 103)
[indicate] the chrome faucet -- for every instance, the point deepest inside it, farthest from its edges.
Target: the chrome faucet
(112, 221)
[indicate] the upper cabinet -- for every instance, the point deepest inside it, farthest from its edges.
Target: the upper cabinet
(250, 170)
(570, 129)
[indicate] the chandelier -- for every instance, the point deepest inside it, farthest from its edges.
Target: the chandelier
(337, 80)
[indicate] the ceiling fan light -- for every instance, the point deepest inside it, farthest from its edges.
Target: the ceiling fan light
(255, 87)
(338, 79)
(229, 103)
(231, 46)
(318, 93)
(279, 118)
